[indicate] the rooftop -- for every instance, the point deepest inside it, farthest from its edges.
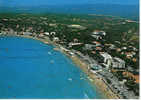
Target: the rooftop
(119, 60)
(105, 55)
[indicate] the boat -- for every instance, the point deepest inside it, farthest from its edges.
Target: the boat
(70, 79)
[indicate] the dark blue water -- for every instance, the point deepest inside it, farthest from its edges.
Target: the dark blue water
(32, 69)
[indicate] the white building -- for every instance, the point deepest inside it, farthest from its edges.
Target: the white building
(55, 39)
(27, 33)
(52, 33)
(3, 33)
(41, 35)
(124, 48)
(98, 34)
(52, 24)
(97, 37)
(46, 33)
(107, 59)
(74, 44)
(118, 63)
(76, 26)
(89, 46)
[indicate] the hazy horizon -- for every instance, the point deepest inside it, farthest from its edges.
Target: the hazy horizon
(63, 2)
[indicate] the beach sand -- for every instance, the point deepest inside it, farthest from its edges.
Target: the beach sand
(98, 82)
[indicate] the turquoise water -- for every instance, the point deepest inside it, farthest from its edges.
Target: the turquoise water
(32, 69)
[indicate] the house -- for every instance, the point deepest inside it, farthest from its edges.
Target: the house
(46, 33)
(96, 43)
(52, 33)
(124, 48)
(107, 59)
(132, 48)
(128, 55)
(98, 48)
(71, 53)
(0, 33)
(11, 31)
(130, 21)
(133, 53)
(118, 50)
(96, 37)
(134, 60)
(74, 44)
(75, 40)
(5, 19)
(89, 46)
(137, 79)
(112, 47)
(95, 67)
(3, 32)
(117, 42)
(56, 39)
(135, 49)
(27, 33)
(123, 81)
(132, 76)
(93, 52)
(118, 63)
(53, 25)
(98, 34)
(64, 49)
(41, 35)
(76, 26)
(130, 69)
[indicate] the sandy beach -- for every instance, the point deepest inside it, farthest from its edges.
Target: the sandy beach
(101, 85)
(96, 81)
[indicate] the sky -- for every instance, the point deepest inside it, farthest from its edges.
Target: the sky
(59, 2)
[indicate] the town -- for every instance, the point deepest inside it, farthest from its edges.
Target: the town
(109, 45)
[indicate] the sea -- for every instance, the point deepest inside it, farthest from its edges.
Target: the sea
(30, 69)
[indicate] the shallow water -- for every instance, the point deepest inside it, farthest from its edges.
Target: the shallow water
(32, 69)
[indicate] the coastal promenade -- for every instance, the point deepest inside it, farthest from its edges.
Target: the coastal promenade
(95, 79)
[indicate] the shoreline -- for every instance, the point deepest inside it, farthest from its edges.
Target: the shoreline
(95, 80)
(92, 77)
